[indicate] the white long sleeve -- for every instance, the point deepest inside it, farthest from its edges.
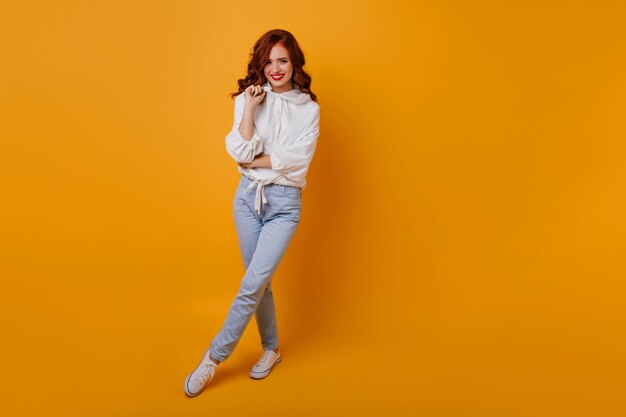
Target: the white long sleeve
(286, 127)
(296, 157)
(241, 150)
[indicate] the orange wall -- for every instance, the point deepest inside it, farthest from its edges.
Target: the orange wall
(461, 249)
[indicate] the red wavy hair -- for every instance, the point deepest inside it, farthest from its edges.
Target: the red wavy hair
(261, 54)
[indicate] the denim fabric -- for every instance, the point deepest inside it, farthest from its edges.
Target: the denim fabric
(263, 240)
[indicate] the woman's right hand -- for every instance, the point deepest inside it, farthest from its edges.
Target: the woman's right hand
(254, 95)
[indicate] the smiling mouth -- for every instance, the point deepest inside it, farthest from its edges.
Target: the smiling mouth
(277, 77)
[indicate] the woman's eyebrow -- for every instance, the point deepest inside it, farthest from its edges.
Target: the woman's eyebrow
(282, 57)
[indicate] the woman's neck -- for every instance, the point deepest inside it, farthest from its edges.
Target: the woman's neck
(283, 89)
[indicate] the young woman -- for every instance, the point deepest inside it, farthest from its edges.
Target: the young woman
(273, 139)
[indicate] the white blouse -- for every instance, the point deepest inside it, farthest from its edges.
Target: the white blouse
(286, 127)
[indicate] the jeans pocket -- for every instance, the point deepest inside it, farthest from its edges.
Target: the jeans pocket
(292, 192)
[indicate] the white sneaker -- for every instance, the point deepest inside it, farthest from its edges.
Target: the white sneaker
(197, 380)
(263, 367)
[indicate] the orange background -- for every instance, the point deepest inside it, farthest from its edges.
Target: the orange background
(461, 248)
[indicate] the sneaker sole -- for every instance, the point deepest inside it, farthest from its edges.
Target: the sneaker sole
(187, 392)
(261, 375)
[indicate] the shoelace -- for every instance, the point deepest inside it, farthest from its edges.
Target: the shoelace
(203, 373)
(266, 359)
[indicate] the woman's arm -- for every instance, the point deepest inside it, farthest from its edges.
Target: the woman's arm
(254, 96)
(288, 158)
(297, 155)
(261, 161)
(246, 127)
(245, 149)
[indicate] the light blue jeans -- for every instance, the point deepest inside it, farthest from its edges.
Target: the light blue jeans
(263, 240)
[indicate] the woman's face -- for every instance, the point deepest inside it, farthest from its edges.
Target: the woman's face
(278, 69)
